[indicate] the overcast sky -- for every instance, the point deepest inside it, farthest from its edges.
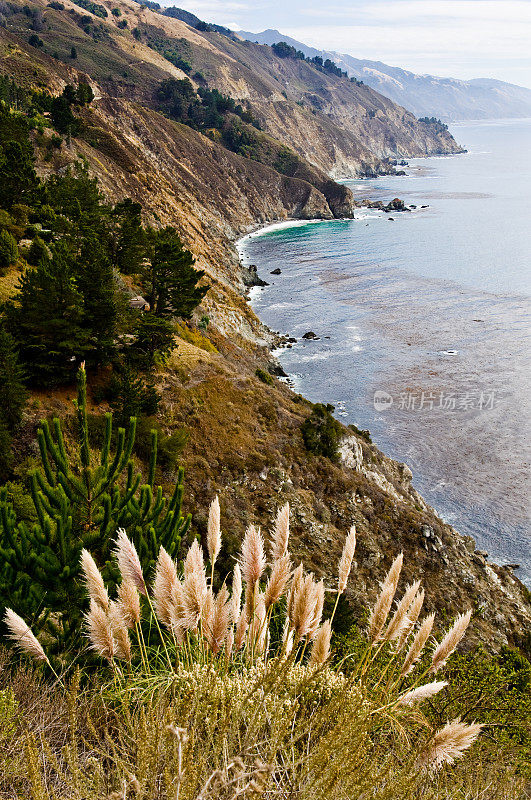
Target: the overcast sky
(458, 38)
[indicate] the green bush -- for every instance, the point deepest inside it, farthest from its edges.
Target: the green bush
(321, 432)
(264, 376)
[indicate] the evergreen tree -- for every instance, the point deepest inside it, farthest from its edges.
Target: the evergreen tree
(37, 251)
(154, 339)
(6, 453)
(80, 500)
(130, 397)
(46, 319)
(171, 278)
(131, 244)
(8, 250)
(13, 393)
(95, 281)
(17, 176)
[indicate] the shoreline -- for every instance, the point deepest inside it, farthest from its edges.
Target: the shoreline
(278, 341)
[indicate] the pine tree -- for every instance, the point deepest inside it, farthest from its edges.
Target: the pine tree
(6, 453)
(46, 319)
(95, 280)
(171, 278)
(8, 250)
(13, 393)
(131, 244)
(154, 339)
(80, 500)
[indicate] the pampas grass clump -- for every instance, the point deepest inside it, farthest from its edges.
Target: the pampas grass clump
(226, 698)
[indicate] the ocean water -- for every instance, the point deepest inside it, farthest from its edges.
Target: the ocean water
(424, 326)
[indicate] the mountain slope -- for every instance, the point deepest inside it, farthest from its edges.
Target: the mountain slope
(424, 95)
(339, 127)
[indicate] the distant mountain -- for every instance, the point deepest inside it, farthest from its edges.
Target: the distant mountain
(425, 95)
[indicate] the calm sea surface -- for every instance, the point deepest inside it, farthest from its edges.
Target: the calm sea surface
(432, 312)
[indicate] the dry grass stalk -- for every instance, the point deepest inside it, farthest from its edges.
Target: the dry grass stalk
(257, 633)
(93, 580)
(236, 599)
(305, 607)
(422, 693)
(24, 638)
(214, 531)
(385, 599)
(417, 645)
(400, 619)
(195, 594)
(277, 580)
(220, 620)
(279, 543)
(194, 561)
(241, 629)
(122, 645)
(319, 595)
(412, 617)
(100, 631)
(321, 645)
(345, 562)
(129, 603)
(129, 562)
(449, 744)
(165, 580)
(252, 558)
(450, 641)
(296, 580)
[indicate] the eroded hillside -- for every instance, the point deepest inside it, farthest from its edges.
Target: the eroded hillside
(338, 126)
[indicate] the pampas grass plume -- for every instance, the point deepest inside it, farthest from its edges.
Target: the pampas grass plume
(277, 580)
(129, 603)
(400, 619)
(450, 641)
(23, 637)
(252, 557)
(236, 598)
(321, 645)
(412, 617)
(421, 693)
(345, 562)
(122, 645)
(449, 744)
(384, 602)
(165, 579)
(93, 580)
(129, 562)
(100, 631)
(214, 531)
(417, 645)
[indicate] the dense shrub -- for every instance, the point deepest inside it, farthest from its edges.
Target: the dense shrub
(321, 432)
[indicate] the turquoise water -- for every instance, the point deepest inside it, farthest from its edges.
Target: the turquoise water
(432, 311)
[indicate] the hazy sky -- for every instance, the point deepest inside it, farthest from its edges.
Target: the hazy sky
(459, 38)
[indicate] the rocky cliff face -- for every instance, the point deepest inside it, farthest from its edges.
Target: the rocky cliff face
(245, 441)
